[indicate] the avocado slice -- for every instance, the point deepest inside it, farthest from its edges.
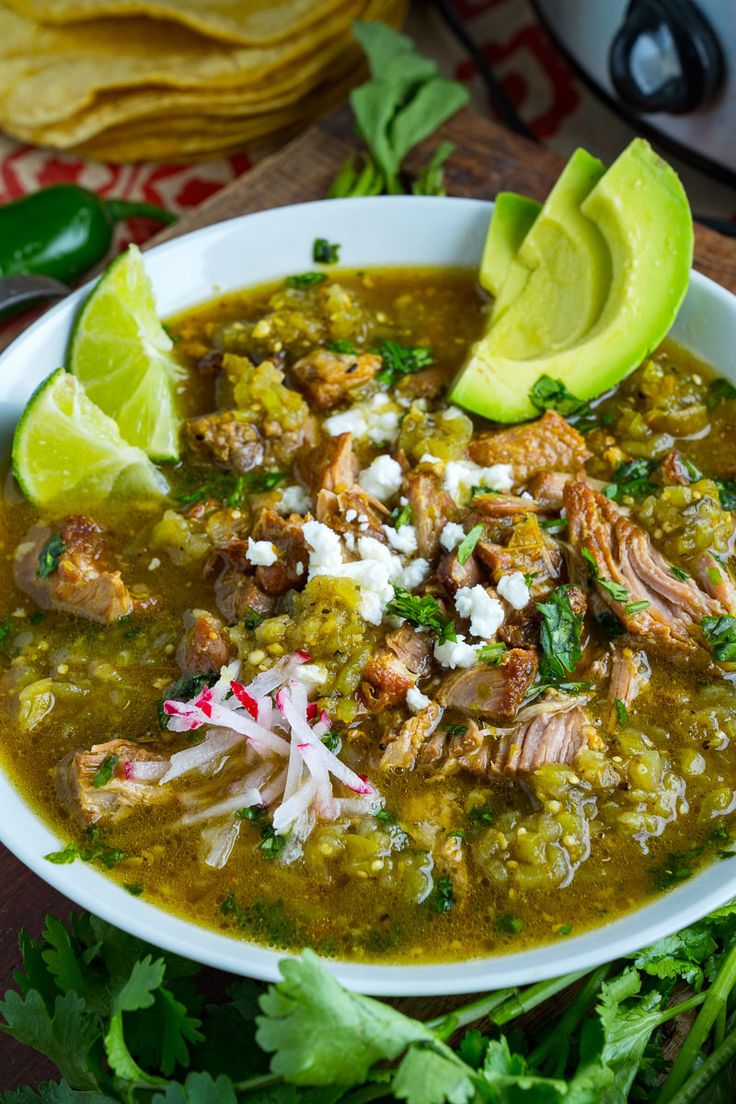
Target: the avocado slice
(640, 209)
(569, 271)
(511, 220)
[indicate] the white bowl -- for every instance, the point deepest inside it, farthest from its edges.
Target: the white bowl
(251, 250)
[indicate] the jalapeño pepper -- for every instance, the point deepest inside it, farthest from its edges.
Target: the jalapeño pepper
(63, 231)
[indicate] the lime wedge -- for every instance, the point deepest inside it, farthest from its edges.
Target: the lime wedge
(122, 354)
(65, 448)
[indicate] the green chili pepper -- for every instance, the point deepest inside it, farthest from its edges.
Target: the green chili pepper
(63, 231)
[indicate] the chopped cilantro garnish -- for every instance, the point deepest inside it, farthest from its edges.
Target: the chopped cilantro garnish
(720, 632)
(491, 654)
(325, 252)
(423, 610)
(509, 923)
(271, 842)
(468, 543)
(444, 900)
(134, 888)
(679, 573)
(305, 279)
(637, 607)
(719, 391)
(105, 771)
(631, 480)
(622, 712)
(341, 347)
(551, 394)
(332, 740)
(68, 854)
(481, 814)
(456, 729)
(559, 635)
(693, 473)
(564, 929)
(727, 493)
(617, 591)
(230, 489)
(187, 687)
(253, 618)
(401, 515)
(50, 555)
(529, 578)
(402, 360)
(554, 525)
(385, 816)
(94, 851)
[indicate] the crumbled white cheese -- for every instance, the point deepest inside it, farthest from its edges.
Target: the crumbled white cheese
(293, 500)
(382, 478)
(455, 653)
(351, 515)
(462, 475)
(486, 614)
(414, 573)
(377, 419)
(514, 589)
(403, 539)
(326, 555)
(349, 539)
(300, 568)
(154, 564)
(451, 535)
(430, 458)
(416, 700)
(260, 553)
(311, 674)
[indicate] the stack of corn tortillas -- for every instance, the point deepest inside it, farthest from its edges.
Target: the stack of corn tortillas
(126, 80)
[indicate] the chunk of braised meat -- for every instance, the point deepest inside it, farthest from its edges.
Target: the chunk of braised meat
(630, 673)
(353, 511)
(289, 572)
(453, 575)
(134, 781)
(83, 581)
(205, 646)
(550, 737)
(402, 743)
(521, 627)
(548, 489)
(431, 509)
(504, 505)
(226, 439)
(329, 378)
(549, 444)
(283, 446)
(430, 383)
(395, 668)
(237, 592)
(530, 549)
(625, 558)
(491, 691)
(331, 466)
(715, 580)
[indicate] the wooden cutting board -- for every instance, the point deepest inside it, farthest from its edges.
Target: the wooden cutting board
(487, 160)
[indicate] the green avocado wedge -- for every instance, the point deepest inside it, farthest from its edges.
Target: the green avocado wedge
(512, 219)
(641, 211)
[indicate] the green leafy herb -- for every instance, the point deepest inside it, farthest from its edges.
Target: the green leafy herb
(423, 610)
(325, 252)
(631, 480)
(444, 895)
(271, 843)
(720, 632)
(105, 771)
(135, 889)
(507, 922)
(564, 929)
(467, 544)
(231, 489)
(727, 493)
(719, 391)
(491, 654)
(404, 102)
(401, 515)
(456, 729)
(481, 814)
(637, 607)
(551, 394)
(402, 360)
(560, 634)
(305, 279)
(346, 347)
(253, 618)
(332, 740)
(68, 854)
(679, 573)
(617, 591)
(529, 578)
(186, 688)
(693, 472)
(554, 525)
(385, 816)
(622, 712)
(50, 556)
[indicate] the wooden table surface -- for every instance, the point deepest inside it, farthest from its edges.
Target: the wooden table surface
(487, 160)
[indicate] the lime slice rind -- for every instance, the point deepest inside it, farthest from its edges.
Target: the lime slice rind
(66, 449)
(122, 354)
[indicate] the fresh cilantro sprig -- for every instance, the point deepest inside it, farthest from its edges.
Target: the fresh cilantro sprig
(631, 480)
(402, 360)
(720, 633)
(325, 252)
(552, 394)
(424, 610)
(50, 555)
(560, 634)
(230, 489)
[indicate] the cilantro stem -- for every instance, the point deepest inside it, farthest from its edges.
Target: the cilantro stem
(368, 1093)
(558, 1037)
(720, 1031)
(264, 1081)
(521, 1002)
(445, 1026)
(716, 999)
(721, 1057)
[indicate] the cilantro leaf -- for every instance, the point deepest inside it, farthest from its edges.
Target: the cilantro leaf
(305, 279)
(631, 480)
(720, 632)
(402, 360)
(617, 591)
(727, 493)
(468, 543)
(325, 252)
(560, 634)
(720, 390)
(430, 1076)
(622, 712)
(551, 394)
(65, 1033)
(105, 771)
(423, 610)
(321, 1034)
(199, 1088)
(50, 556)
(54, 1092)
(444, 900)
